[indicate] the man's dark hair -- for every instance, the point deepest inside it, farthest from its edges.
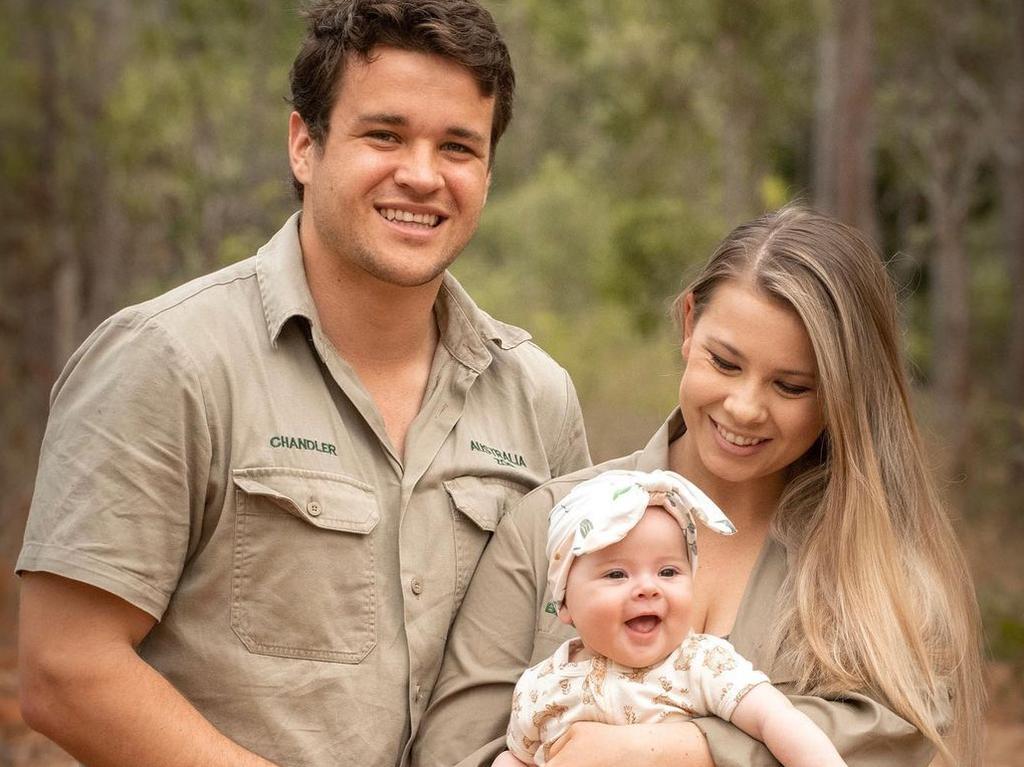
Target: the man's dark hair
(460, 30)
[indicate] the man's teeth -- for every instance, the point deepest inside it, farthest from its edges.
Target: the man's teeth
(406, 216)
(736, 439)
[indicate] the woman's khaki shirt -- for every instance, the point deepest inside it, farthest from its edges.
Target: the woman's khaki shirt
(507, 624)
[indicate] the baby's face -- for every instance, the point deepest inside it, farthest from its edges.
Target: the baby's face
(631, 601)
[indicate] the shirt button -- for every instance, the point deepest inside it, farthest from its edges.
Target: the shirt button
(416, 586)
(416, 697)
(313, 508)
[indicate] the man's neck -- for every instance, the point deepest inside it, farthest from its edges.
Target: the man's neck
(368, 321)
(387, 334)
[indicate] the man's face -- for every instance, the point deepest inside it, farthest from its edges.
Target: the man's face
(397, 189)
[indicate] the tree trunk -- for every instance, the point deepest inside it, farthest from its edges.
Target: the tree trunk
(739, 197)
(825, 108)
(54, 219)
(1011, 186)
(845, 170)
(950, 305)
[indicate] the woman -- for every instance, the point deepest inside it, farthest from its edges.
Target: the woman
(845, 583)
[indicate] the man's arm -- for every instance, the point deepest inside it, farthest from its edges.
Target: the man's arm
(84, 686)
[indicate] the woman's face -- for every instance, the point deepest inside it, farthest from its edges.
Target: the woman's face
(749, 393)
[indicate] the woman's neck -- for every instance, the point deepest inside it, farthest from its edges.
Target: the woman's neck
(748, 503)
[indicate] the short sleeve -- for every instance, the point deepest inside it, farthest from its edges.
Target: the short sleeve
(523, 736)
(124, 465)
(573, 451)
(716, 675)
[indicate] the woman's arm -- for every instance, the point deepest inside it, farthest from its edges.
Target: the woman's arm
(491, 643)
(666, 744)
(864, 732)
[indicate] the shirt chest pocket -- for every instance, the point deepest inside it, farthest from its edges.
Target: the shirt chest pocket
(303, 578)
(477, 504)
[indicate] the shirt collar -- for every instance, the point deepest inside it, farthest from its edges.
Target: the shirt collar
(282, 279)
(465, 328)
(655, 453)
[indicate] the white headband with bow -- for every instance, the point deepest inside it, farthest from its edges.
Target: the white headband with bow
(601, 511)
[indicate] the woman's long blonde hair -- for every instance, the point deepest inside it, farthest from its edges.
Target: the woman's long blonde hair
(878, 597)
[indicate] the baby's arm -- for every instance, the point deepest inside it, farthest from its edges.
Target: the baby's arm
(507, 759)
(766, 714)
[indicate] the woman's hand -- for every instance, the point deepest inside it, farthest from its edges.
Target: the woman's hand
(590, 744)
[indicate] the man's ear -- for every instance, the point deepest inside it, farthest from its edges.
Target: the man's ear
(300, 147)
(688, 320)
(564, 615)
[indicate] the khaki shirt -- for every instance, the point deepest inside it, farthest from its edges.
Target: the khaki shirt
(211, 460)
(507, 624)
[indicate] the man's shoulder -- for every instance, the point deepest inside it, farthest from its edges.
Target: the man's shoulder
(208, 298)
(189, 325)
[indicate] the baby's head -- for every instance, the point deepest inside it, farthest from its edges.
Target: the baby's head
(622, 550)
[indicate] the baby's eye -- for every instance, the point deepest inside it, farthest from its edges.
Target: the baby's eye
(669, 572)
(615, 575)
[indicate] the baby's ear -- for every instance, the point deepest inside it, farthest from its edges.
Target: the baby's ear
(564, 615)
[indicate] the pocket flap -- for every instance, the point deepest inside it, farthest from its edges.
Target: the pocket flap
(329, 501)
(483, 500)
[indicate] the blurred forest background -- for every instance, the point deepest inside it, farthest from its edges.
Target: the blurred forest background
(142, 142)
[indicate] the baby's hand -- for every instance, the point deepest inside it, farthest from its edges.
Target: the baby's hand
(507, 759)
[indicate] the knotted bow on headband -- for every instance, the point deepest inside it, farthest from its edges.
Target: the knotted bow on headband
(601, 511)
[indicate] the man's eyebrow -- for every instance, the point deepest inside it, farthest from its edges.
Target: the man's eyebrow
(465, 133)
(387, 118)
(383, 117)
(739, 355)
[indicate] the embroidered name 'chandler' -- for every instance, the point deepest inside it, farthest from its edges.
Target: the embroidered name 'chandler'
(503, 457)
(301, 443)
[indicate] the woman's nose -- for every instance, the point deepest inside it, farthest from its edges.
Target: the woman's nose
(745, 404)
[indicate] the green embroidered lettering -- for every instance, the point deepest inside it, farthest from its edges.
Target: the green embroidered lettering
(501, 457)
(303, 443)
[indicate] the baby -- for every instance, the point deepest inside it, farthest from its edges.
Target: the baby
(622, 551)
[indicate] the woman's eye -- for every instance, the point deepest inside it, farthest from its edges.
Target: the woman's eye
(791, 390)
(722, 364)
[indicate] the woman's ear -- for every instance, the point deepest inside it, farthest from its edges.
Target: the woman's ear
(564, 615)
(688, 320)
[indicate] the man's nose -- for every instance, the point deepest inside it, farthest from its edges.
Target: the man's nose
(418, 170)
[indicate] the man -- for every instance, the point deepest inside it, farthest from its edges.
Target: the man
(262, 495)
